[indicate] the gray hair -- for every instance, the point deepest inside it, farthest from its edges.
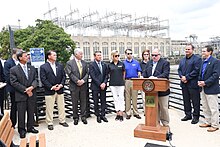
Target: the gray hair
(77, 50)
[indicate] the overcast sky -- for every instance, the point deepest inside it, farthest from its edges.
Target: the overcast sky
(186, 17)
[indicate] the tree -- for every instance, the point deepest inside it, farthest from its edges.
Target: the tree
(45, 35)
(4, 44)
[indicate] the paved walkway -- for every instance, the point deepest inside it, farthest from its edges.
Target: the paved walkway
(121, 134)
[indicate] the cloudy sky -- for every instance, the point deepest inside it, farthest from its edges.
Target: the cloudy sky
(186, 17)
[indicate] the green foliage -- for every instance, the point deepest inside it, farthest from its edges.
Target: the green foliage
(44, 35)
(4, 44)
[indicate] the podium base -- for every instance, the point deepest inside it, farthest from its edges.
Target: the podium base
(157, 134)
(154, 145)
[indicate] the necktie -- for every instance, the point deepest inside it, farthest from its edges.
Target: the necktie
(25, 71)
(100, 67)
(80, 68)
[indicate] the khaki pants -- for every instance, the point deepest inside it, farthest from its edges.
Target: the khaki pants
(210, 109)
(130, 95)
(50, 100)
(163, 114)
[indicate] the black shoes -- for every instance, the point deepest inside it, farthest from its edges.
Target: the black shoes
(117, 117)
(64, 124)
(99, 119)
(75, 121)
(186, 118)
(104, 119)
(137, 116)
(128, 116)
(33, 130)
(84, 121)
(50, 127)
(23, 134)
(194, 121)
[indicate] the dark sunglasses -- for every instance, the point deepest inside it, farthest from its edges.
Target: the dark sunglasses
(116, 55)
(129, 53)
(155, 55)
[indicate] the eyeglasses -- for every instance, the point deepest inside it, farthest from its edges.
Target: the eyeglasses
(146, 54)
(129, 53)
(155, 55)
(116, 55)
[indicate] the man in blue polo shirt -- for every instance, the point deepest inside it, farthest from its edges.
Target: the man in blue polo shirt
(132, 70)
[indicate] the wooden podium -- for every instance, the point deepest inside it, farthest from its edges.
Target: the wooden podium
(151, 129)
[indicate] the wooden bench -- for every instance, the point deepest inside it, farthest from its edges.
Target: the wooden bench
(6, 130)
(33, 142)
(7, 133)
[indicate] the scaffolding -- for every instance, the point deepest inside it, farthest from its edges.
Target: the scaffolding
(110, 24)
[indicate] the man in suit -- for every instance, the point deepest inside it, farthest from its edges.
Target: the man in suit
(209, 83)
(188, 71)
(99, 75)
(7, 66)
(23, 78)
(53, 77)
(77, 71)
(159, 68)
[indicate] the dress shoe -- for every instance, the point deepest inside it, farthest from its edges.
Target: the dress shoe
(137, 116)
(99, 119)
(117, 117)
(186, 118)
(33, 130)
(84, 121)
(64, 124)
(22, 134)
(212, 129)
(128, 116)
(50, 127)
(75, 121)
(104, 119)
(204, 125)
(36, 124)
(194, 121)
(121, 118)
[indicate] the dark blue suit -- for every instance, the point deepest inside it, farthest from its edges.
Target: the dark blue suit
(162, 70)
(211, 77)
(98, 78)
(13, 113)
(49, 79)
(190, 67)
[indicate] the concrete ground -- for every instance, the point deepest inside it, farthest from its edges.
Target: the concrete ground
(121, 134)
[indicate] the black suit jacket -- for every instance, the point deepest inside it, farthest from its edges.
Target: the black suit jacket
(74, 75)
(2, 79)
(211, 77)
(162, 70)
(96, 76)
(20, 82)
(49, 79)
(191, 71)
(7, 66)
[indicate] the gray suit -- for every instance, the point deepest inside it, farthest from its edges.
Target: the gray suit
(78, 93)
(24, 103)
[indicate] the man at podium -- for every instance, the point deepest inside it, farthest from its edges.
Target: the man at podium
(159, 68)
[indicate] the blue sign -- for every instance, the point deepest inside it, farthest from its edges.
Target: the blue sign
(37, 56)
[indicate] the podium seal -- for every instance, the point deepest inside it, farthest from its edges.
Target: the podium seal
(148, 85)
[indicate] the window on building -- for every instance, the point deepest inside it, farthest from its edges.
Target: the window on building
(95, 46)
(86, 51)
(121, 48)
(113, 46)
(136, 48)
(105, 51)
(162, 48)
